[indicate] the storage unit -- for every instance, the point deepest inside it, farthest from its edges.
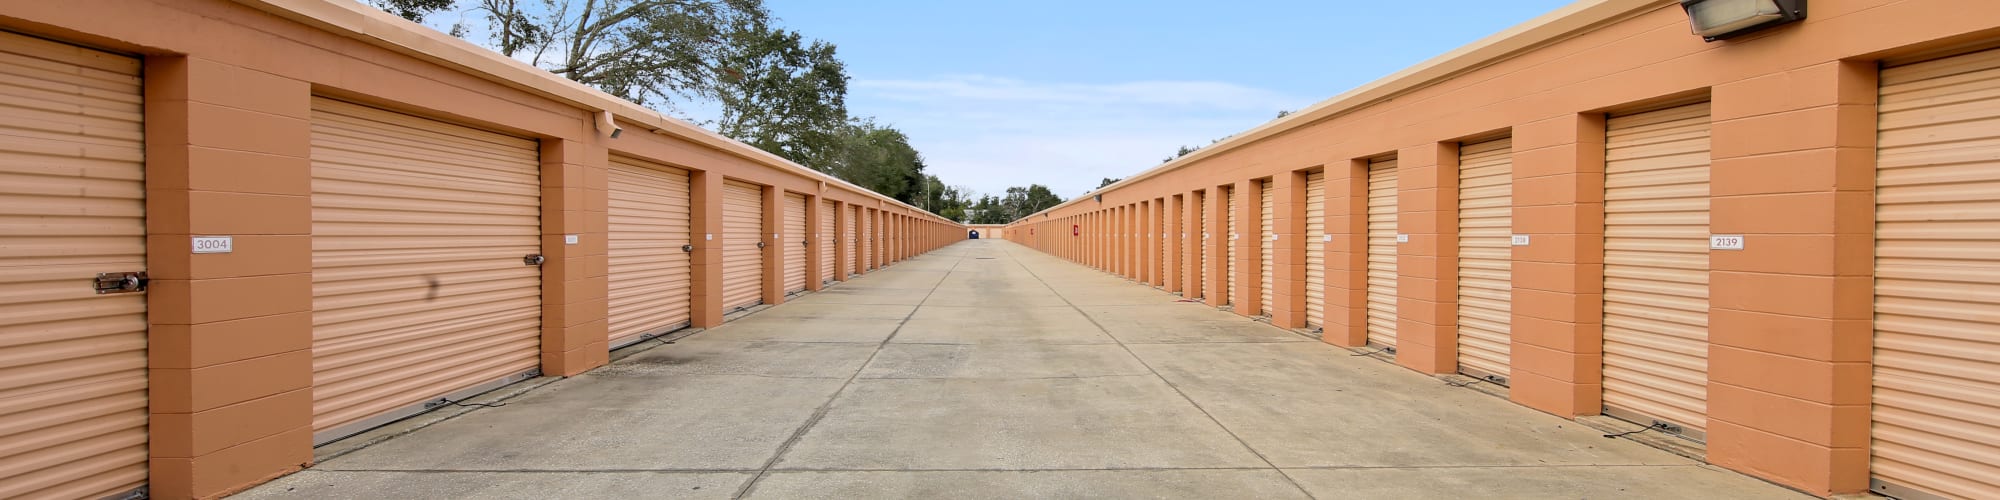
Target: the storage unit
(1382, 252)
(1316, 250)
(72, 205)
(1656, 267)
(1163, 242)
(1937, 279)
(794, 245)
(1485, 257)
(1265, 248)
(853, 241)
(742, 252)
(651, 276)
(1229, 247)
(868, 240)
(1201, 226)
(829, 235)
(420, 290)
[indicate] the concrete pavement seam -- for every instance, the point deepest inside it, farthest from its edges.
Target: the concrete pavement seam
(820, 413)
(1163, 379)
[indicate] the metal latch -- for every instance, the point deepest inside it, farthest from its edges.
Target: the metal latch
(760, 244)
(533, 259)
(121, 282)
(687, 248)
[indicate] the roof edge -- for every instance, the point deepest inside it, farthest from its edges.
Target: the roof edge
(361, 22)
(1542, 30)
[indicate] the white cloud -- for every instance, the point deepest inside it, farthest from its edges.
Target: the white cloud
(990, 133)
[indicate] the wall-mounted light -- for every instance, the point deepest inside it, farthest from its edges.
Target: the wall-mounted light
(1721, 19)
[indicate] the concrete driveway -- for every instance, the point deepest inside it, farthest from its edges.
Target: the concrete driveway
(987, 370)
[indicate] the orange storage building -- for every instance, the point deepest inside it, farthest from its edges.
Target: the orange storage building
(1779, 247)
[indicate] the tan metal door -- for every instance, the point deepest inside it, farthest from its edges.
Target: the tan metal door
(868, 239)
(1485, 257)
(1163, 241)
(1201, 226)
(828, 236)
(853, 241)
(1937, 279)
(1316, 250)
(1265, 248)
(1656, 267)
(419, 289)
(1382, 252)
(1229, 250)
(72, 205)
(742, 230)
(795, 244)
(651, 276)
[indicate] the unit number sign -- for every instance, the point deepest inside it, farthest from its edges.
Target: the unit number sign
(1725, 242)
(214, 244)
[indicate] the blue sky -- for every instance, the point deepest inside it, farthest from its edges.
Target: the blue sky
(1063, 93)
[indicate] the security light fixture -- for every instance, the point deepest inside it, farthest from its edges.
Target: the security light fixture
(1722, 19)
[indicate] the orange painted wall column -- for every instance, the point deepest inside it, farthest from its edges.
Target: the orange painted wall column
(575, 278)
(229, 349)
(1427, 281)
(817, 272)
(1347, 255)
(705, 221)
(1249, 293)
(1790, 316)
(1288, 272)
(773, 252)
(842, 217)
(1558, 300)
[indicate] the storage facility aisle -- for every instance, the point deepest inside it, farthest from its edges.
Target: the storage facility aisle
(988, 370)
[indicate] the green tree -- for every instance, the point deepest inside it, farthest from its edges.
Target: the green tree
(784, 95)
(989, 210)
(1025, 201)
(1108, 181)
(641, 50)
(878, 158)
(413, 10)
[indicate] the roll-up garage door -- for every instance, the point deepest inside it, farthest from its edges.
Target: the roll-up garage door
(1656, 267)
(828, 237)
(795, 244)
(419, 289)
(1229, 248)
(1265, 248)
(1382, 252)
(72, 205)
(742, 229)
(1166, 242)
(868, 239)
(853, 241)
(651, 276)
(1316, 250)
(1937, 279)
(1485, 255)
(1201, 226)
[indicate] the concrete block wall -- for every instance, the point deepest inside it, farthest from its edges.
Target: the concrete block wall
(1793, 126)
